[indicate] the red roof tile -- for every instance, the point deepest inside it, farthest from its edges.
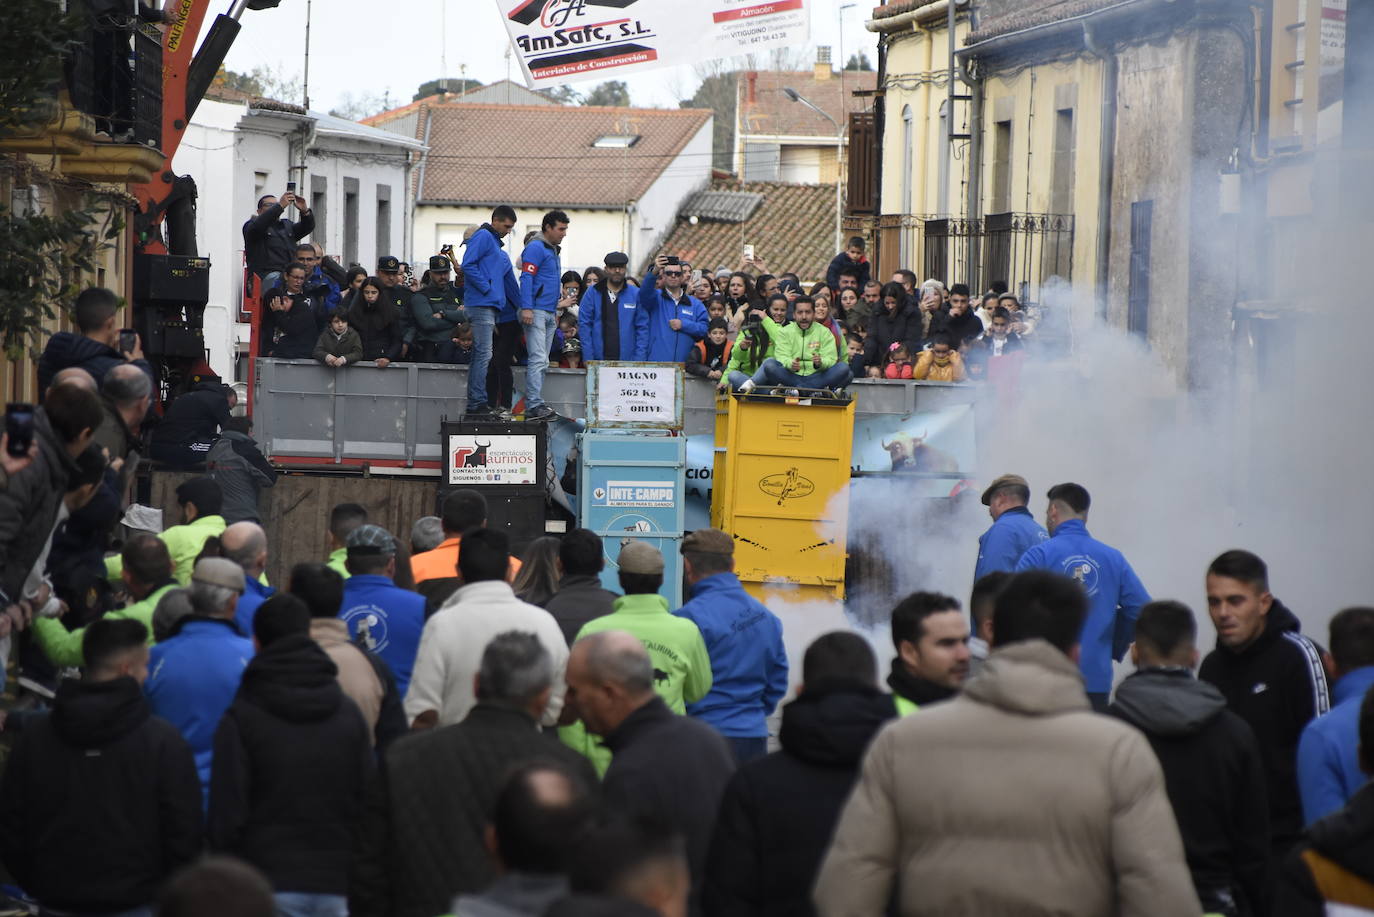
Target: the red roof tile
(793, 230)
(541, 154)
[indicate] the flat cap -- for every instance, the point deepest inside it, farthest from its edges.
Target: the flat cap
(219, 571)
(708, 541)
(617, 259)
(640, 557)
(388, 263)
(1006, 480)
(370, 539)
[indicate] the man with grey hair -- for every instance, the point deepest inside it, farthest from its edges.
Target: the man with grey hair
(245, 543)
(194, 676)
(666, 767)
(422, 840)
(125, 395)
(426, 534)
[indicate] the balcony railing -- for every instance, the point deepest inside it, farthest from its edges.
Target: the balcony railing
(1023, 249)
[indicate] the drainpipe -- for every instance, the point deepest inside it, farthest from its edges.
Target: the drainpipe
(1106, 157)
(973, 204)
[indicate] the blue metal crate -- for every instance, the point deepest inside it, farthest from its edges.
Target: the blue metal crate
(631, 486)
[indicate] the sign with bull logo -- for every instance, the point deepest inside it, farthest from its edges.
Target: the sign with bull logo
(492, 460)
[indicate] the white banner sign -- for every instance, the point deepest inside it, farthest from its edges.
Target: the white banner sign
(564, 41)
(492, 460)
(642, 394)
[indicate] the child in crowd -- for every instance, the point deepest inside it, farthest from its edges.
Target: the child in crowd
(709, 357)
(854, 347)
(570, 355)
(715, 307)
(899, 362)
(941, 363)
(339, 344)
(462, 344)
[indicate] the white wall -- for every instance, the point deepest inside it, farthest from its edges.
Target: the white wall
(591, 233)
(225, 149)
(656, 212)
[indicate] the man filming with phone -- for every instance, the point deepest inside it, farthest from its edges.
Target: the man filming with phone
(269, 241)
(98, 344)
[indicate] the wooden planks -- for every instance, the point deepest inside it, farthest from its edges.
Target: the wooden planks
(295, 512)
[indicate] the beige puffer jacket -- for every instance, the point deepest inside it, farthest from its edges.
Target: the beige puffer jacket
(1013, 799)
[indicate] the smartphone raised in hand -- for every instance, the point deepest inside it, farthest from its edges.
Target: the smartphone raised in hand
(19, 428)
(128, 340)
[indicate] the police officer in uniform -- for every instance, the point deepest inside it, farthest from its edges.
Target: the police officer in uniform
(396, 293)
(438, 311)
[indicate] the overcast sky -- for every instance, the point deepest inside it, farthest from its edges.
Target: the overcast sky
(392, 46)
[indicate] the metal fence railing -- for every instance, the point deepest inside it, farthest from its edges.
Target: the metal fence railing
(1023, 249)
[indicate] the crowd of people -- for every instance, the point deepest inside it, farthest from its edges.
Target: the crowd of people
(742, 329)
(422, 723)
(429, 722)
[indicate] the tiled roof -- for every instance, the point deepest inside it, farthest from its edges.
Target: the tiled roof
(1005, 16)
(773, 114)
(541, 154)
(722, 206)
(793, 229)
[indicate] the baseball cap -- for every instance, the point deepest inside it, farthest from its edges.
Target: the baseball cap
(617, 259)
(440, 263)
(1006, 480)
(640, 557)
(370, 539)
(388, 263)
(708, 541)
(219, 571)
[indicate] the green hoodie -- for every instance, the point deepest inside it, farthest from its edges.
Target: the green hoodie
(64, 646)
(790, 343)
(682, 667)
(742, 359)
(184, 543)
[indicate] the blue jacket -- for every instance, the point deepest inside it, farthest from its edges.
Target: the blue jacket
(1329, 750)
(326, 290)
(541, 276)
(254, 594)
(748, 659)
(1115, 595)
(192, 680)
(665, 344)
(384, 619)
(488, 278)
(1013, 533)
(634, 324)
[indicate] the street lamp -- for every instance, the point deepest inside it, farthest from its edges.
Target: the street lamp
(839, 157)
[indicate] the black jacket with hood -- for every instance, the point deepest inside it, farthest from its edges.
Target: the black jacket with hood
(292, 758)
(29, 502)
(194, 417)
(779, 812)
(100, 801)
(887, 328)
(65, 350)
(1277, 685)
(1214, 778)
(1340, 847)
(270, 242)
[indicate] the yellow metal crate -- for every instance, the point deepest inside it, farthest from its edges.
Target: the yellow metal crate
(781, 488)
